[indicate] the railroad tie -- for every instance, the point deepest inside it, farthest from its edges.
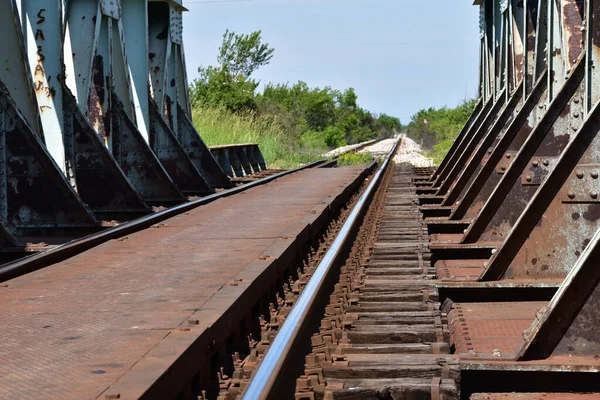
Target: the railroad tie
(383, 334)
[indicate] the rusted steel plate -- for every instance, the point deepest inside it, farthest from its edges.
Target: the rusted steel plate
(468, 270)
(72, 329)
(490, 328)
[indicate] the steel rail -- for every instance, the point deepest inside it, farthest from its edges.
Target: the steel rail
(264, 379)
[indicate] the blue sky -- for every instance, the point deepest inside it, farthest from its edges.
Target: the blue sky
(399, 55)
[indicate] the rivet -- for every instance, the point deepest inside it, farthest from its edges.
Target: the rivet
(580, 174)
(490, 151)
(594, 174)
(576, 115)
(508, 156)
(576, 100)
(594, 195)
(528, 178)
(571, 194)
(546, 163)
(503, 168)
(535, 163)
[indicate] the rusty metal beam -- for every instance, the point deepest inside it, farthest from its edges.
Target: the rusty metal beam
(473, 198)
(565, 327)
(69, 137)
(34, 194)
(168, 86)
(173, 157)
(486, 146)
(547, 140)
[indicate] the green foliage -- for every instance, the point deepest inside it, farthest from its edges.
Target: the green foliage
(229, 84)
(220, 126)
(355, 159)
(388, 124)
(440, 150)
(217, 87)
(307, 120)
(436, 129)
(334, 136)
(333, 113)
(243, 54)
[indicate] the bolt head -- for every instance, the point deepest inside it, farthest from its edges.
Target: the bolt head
(594, 195)
(535, 163)
(571, 194)
(594, 174)
(580, 174)
(546, 163)
(528, 178)
(508, 156)
(503, 168)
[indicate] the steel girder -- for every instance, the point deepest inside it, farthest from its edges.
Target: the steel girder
(168, 86)
(34, 193)
(530, 193)
(97, 93)
(101, 86)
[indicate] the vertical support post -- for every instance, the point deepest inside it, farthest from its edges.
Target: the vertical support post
(134, 27)
(14, 69)
(41, 21)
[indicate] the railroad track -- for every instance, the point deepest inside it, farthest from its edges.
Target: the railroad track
(356, 307)
(381, 332)
(476, 280)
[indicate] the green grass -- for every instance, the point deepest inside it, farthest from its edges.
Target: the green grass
(219, 127)
(439, 151)
(355, 159)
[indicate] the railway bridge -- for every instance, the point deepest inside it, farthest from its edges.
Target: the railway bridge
(138, 263)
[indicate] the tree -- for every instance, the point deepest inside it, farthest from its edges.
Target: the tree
(229, 84)
(243, 54)
(388, 125)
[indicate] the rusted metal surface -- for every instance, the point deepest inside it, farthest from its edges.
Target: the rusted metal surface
(490, 328)
(173, 157)
(168, 86)
(472, 199)
(498, 111)
(26, 171)
(239, 160)
(102, 311)
(99, 180)
(560, 219)
(138, 162)
(466, 174)
(463, 140)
